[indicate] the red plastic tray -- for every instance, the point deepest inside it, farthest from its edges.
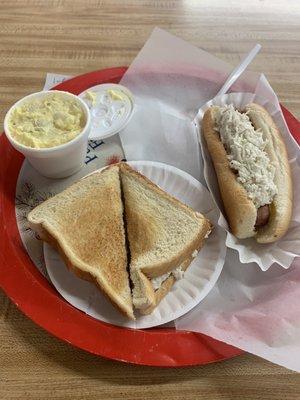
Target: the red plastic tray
(36, 297)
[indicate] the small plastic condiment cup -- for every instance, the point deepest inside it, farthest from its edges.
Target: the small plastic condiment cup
(59, 161)
(99, 131)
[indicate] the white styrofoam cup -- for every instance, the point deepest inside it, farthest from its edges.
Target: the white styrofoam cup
(59, 161)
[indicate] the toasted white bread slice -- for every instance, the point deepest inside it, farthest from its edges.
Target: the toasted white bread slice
(85, 224)
(162, 234)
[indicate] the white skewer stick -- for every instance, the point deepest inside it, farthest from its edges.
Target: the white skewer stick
(235, 74)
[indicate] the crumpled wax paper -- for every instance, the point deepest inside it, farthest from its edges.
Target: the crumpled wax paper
(170, 79)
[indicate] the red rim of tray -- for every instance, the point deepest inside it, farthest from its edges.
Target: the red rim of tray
(36, 297)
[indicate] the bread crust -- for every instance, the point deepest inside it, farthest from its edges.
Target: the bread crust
(240, 210)
(143, 295)
(149, 298)
(165, 288)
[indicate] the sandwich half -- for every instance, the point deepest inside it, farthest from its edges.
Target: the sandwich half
(85, 224)
(163, 235)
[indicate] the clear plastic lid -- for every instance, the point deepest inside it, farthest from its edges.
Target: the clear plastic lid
(111, 107)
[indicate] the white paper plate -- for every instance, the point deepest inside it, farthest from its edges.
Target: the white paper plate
(199, 279)
(287, 248)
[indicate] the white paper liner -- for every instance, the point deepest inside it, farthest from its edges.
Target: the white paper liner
(254, 310)
(287, 248)
(198, 280)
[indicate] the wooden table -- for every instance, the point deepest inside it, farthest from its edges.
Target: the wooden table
(72, 37)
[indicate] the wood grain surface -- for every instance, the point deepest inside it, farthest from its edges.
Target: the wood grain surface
(76, 36)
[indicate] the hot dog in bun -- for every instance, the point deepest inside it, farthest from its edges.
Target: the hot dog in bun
(252, 168)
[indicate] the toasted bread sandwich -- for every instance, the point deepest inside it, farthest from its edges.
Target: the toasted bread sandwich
(163, 234)
(98, 220)
(85, 224)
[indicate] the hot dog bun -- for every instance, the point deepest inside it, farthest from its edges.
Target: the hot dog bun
(239, 208)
